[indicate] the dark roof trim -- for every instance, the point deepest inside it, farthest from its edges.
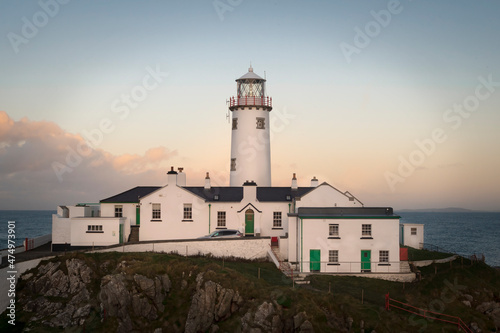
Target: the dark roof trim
(249, 204)
(346, 212)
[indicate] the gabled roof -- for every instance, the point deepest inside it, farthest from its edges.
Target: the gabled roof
(278, 194)
(132, 195)
(225, 194)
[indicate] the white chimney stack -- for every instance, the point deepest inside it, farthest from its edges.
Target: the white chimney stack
(172, 177)
(181, 177)
(314, 182)
(207, 182)
(294, 183)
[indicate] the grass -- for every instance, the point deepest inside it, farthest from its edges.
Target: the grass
(416, 254)
(329, 301)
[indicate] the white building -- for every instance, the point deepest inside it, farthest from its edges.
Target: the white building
(319, 227)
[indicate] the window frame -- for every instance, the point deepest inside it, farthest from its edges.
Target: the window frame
(187, 212)
(118, 210)
(332, 255)
(383, 258)
(156, 211)
(333, 235)
(221, 219)
(277, 220)
(366, 231)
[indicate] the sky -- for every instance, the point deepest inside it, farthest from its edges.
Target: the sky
(396, 102)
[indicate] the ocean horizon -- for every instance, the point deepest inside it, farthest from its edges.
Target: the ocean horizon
(465, 232)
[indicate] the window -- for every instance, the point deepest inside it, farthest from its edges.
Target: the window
(261, 123)
(233, 164)
(94, 228)
(235, 123)
(221, 219)
(333, 256)
(334, 230)
(413, 231)
(188, 211)
(118, 211)
(383, 257)
(277, 220)
(156, 211)
(366, 230)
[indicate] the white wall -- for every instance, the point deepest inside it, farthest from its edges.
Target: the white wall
(385, 236)
(172, 224)
(251, 248)
(110, 235)
(61, 230)
(415, 241)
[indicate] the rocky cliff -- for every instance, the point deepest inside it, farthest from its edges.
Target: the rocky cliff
(157, 293)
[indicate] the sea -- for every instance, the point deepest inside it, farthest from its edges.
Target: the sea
(464, 233)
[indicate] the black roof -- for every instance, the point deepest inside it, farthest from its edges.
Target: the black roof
(132, 195)
(346, 211)
(217, 193)
(280, 193)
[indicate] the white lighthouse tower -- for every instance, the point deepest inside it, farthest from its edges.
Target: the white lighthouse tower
(250, 139)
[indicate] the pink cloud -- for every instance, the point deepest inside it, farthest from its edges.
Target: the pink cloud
(41, 166)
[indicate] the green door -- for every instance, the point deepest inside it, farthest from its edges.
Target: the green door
(366, 265)
(315, 260)
(249, 222)
(120, 236)
(137, 215)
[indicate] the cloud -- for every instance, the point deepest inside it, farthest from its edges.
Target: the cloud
(42, 166)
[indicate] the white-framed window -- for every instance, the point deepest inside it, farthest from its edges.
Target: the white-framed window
(156, 211)
(188, 211)
(333, 256)
(221, 219)
(366, 230)
(233, 164)
(413, 231)
(333, 230)
(383, 256)
(235, 123)
(94, 228)
(261, 123)
(118, 210)
(277, 220)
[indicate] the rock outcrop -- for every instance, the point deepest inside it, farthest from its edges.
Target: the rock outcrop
(210, 304)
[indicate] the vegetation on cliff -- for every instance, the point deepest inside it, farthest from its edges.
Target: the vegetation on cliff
(150, 292)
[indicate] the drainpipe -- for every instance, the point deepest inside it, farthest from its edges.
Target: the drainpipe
(301, 246)
(289, 207)
(209, 214)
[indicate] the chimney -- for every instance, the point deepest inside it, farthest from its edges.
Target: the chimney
(314, 182)
(294, 182)
(181, 177)
(172, 177)
(207, 182)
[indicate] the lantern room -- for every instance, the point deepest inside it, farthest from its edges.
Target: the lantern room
(251, 90)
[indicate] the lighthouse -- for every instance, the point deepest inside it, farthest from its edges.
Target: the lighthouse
(250, 133)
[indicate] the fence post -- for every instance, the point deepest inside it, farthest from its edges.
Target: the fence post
(387, 301)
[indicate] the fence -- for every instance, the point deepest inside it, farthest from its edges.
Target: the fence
(426, 313)
(351, 266)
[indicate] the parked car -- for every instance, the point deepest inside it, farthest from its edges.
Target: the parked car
(226, 233)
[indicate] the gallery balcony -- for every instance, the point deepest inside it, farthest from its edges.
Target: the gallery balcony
(264, 102)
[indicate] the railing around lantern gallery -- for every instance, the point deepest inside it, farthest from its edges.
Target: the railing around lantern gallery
(252, 100)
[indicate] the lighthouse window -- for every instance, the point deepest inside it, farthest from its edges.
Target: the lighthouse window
(260, 123)
(276, 219)
(235, 123)
(221, 219)
(233, 164)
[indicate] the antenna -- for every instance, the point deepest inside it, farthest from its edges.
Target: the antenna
(227, 113)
